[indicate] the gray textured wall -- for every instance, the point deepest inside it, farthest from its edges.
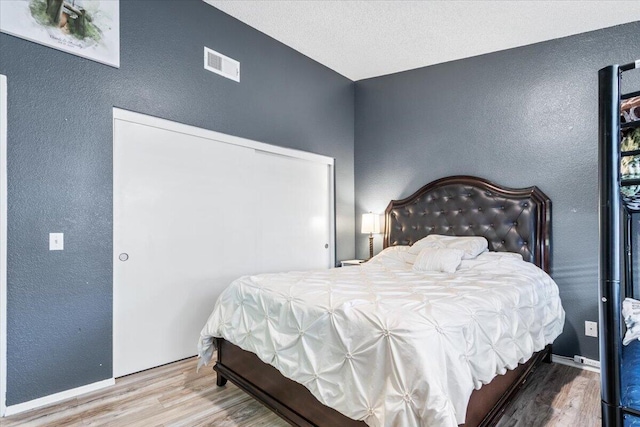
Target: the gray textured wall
(60, 163)
(521, 117)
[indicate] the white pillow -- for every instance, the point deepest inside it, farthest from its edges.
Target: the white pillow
(500, 256)
(394, 255)
(433, 259)
(472, 246)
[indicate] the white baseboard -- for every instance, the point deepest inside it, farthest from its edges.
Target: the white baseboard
(568, 361)
(57, 397)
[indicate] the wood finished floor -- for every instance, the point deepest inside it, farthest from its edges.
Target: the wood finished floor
(175, 395)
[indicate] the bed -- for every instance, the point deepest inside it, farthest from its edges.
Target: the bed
(511, 220)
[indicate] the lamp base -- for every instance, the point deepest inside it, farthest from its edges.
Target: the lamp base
(370, 245)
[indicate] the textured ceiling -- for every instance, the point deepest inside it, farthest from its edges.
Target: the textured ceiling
(361, 39)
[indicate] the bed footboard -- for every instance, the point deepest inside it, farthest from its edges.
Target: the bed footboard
(287, 398)
(294, 403)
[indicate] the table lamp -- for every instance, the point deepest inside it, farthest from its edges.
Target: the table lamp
(371, 225)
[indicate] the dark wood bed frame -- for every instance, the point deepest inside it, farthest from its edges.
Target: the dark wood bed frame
(513, 220)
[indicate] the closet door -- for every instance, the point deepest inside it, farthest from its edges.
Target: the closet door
(191, 214)
(300, 215)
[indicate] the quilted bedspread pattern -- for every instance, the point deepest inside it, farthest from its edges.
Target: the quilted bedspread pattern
(388, 345)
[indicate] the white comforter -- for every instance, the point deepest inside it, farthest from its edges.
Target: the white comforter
(388, 345)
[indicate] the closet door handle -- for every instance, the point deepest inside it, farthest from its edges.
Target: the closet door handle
(123, 256)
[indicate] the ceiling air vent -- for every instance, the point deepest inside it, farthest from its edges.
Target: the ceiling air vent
(221, 64)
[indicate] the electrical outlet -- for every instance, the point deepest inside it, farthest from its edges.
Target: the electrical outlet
(591, 329)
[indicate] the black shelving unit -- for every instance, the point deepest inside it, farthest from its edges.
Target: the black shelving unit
(619, 200)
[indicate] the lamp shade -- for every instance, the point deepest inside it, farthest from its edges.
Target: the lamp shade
(371, 223)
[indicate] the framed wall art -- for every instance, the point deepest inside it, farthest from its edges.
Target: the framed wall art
(87, 28)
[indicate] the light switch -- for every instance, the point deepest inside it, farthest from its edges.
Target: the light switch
(56, 241)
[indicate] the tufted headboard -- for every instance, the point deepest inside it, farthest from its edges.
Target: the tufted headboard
(511, 219)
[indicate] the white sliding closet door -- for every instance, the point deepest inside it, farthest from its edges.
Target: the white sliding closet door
(303, 226)
(192, 213)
